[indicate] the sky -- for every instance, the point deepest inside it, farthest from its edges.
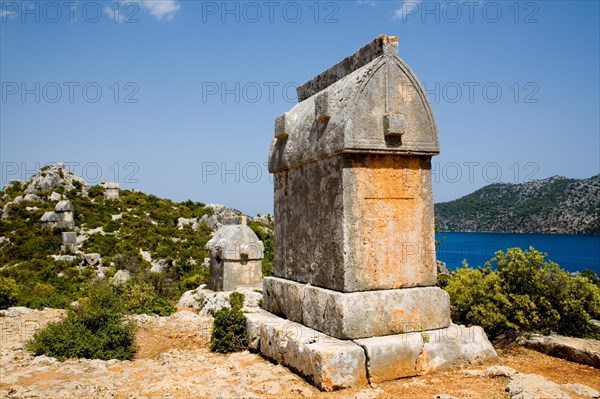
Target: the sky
(178, 98)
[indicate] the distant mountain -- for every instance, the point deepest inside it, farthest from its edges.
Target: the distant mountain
(553, 205)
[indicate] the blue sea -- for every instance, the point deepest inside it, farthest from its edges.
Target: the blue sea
(571, 252)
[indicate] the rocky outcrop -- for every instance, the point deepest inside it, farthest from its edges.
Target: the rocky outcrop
(533, 386)
(158, 266)
(53, 177)
(222, 215)
(265, 218)
(579, 350)
(206, 301)
(582, 390)
(121, 277)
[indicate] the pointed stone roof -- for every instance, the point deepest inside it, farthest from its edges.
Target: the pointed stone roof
(64, 206)
(369, 103)
(235, 242)
(49, 217)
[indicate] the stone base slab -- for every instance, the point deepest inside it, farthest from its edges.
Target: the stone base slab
(358, 314)
(330, 363)
(407, 355)
(326, 362)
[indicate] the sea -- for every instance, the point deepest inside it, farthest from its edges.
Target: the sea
(572, 252)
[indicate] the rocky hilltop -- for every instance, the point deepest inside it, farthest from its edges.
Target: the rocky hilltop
(553, 205)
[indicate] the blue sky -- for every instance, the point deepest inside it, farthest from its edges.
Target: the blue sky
(178, 98)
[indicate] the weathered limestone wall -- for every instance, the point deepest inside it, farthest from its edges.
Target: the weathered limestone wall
(229, 275)
(388, 222)
(309, 234)
(358, 314)
(356, 222)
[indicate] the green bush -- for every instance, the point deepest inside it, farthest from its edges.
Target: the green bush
(590, 275)
(96, 191)
(112, 226)
(48, 283)
(236, 300)
(264, 233)
(518, 291)
(443, 280)
(141, 297)
(193, 282)
(105, 245)
(132, 263)
(94, 330)
(229, 327)
(9, 292)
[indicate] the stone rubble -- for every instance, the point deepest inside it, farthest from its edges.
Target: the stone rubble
(582, 390)
(206, 301)
(579, 350)
(528, 386)
(120, 277)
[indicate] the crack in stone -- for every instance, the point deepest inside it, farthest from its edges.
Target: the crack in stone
(367, 360)
(418, 357)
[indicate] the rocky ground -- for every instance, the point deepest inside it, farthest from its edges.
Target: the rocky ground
(174, 362)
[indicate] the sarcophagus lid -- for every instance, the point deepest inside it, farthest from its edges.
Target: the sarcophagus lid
(370, 102)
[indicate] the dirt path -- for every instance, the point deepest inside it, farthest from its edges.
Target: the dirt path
(174, 362)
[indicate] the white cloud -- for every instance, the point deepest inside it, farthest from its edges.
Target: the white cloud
(408, 7)
(371, 3)
(161, 8)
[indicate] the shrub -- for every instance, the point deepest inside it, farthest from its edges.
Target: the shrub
(112, 226)
(96, 191)
(236, 300)
(104, 245)
(443, 280)
(9, 292)
(140, 298)
(192, 282)
(229, 327)
(48, 283)
(518, 291)
(590, 275)
(94, 330)
(265, 235)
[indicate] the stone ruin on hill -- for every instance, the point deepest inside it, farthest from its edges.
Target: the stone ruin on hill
(353, 298)
(62, 216)
(236, 256)
(111, 190)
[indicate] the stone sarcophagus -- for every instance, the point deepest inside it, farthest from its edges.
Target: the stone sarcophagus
(353, 202)
(236, 256)
(354, 267)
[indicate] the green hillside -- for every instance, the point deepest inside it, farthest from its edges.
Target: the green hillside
(138, 233)
(553, 205)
